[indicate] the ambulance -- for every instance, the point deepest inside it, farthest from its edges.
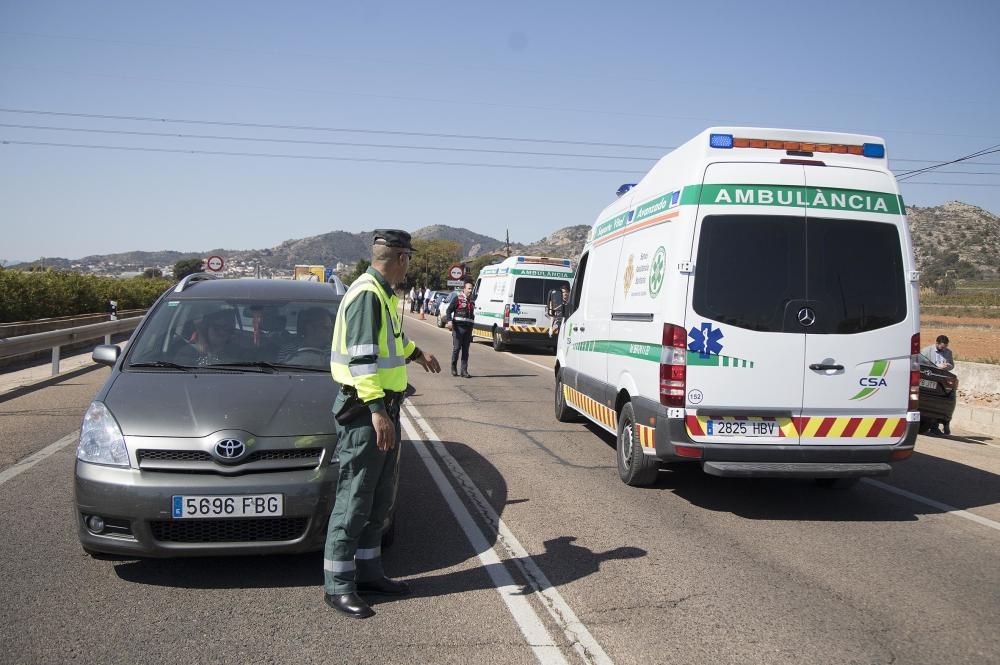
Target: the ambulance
(511, 299)
(752, 305)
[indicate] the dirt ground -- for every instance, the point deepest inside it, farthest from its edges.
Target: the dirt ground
(970, 339)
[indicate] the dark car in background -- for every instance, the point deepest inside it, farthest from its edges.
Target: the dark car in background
(938, 390)
(213, 433)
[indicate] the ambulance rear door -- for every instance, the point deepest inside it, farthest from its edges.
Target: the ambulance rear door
(860, 322)
(745, 349)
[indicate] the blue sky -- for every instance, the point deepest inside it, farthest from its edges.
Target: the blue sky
(924, 75)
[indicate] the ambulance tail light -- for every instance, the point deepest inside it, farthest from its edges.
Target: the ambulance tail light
(914, 404)
(506, 316)
(673, 366)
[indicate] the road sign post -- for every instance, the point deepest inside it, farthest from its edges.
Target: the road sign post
(214, 263)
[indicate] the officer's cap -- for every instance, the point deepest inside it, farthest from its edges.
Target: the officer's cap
(392, 238)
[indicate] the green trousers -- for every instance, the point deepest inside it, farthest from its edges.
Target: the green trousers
(366, 493)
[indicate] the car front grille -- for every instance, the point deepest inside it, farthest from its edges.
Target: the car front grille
(200, 461)
(251, 530)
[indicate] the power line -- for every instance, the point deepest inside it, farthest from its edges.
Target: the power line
(315, 142)
(193, 151)
(257, 125)
(978, 153)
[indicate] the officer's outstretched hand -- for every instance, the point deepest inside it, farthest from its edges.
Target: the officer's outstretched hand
(429, 362)
(385, 431)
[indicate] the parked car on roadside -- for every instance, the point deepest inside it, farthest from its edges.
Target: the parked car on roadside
(213, 433)
(434, 303)
(442, 309)
(938, 390)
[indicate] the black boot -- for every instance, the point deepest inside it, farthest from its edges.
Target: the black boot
(454, 371)
(350, 604)
(465, 373)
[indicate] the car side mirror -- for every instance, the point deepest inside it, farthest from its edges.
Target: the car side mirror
(106, 354)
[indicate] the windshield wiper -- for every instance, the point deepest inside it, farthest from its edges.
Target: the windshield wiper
(308, 368)
(163, 363)
(249, 366)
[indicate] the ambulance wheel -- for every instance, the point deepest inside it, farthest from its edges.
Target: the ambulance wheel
(498, 344)
(634, 467)
(564, 412)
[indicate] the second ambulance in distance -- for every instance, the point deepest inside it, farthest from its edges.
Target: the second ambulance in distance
(512, 297)
(750, 304)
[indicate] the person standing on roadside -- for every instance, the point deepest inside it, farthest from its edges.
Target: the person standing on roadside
(461, 315)
(413, 299)
(939, 353)
(369, 356)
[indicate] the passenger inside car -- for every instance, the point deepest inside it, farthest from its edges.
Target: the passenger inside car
(214, 340)
(314, 329)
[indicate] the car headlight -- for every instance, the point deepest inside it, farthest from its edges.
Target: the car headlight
(101, 440)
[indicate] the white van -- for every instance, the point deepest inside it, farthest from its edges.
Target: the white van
(750, 304)
(511, 299)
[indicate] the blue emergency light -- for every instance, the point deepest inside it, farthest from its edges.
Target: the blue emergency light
(873, 150)
(720, 140)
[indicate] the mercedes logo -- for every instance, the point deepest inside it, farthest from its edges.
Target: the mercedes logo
(807, 317)
(229, 448)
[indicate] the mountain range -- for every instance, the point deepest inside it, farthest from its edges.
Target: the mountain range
(951, 228)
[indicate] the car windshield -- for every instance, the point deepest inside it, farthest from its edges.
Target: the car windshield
(206, 333)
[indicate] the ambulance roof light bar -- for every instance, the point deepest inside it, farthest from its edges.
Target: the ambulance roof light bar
(728, 141)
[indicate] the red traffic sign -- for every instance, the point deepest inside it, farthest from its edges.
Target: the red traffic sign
(214, 263)
(456, 272)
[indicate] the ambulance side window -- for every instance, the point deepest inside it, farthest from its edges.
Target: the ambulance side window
(581, 276)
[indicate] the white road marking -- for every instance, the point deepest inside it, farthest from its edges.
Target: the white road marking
(539, 639)
(31, 460)
(943, 507)
(575, 631)
(508, 353)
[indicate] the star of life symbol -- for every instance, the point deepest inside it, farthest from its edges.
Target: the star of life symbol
(705, 340)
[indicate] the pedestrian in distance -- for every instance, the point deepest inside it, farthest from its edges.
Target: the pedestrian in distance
(939, 354)
(461, 315)
(421, 294)
(557, 309)
(413, 299)
(369, 356)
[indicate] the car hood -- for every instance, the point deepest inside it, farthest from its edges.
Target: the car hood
(196, 405)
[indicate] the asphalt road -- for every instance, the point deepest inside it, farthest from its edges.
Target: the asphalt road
(497, 493)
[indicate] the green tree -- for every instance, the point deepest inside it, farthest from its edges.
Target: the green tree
(431, 260)
(186, 267)
(152, 273)
(359, 269)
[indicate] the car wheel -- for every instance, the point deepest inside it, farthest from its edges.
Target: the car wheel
(634, 467)
(564, 412)
(836, 483)
(498, 344)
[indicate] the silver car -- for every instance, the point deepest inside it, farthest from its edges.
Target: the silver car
(213, 434)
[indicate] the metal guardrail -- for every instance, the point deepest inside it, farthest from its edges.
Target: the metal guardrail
(55, 339)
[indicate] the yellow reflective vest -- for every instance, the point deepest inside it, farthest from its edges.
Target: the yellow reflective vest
(372, 361)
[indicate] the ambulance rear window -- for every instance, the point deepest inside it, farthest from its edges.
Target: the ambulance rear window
(758, 272)
(535, 291)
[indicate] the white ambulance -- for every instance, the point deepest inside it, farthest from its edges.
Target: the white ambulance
(511, 299)
(750, 304)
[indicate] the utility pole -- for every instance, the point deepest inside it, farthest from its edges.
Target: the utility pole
(508, 243)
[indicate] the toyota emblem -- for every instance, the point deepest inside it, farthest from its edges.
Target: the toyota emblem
(229, 448)
(807, 316)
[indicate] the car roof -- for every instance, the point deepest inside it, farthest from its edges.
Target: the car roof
(254, 289)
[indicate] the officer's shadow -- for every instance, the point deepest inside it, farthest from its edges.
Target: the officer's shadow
(562, 562)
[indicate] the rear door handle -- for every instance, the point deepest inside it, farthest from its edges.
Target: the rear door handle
(820, 367)
(576, 329)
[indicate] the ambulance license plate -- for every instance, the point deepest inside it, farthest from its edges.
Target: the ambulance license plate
(927, 383)
(744, 428)
(232, 505)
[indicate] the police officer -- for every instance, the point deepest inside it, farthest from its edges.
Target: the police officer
(368, 361)
(461, 315)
